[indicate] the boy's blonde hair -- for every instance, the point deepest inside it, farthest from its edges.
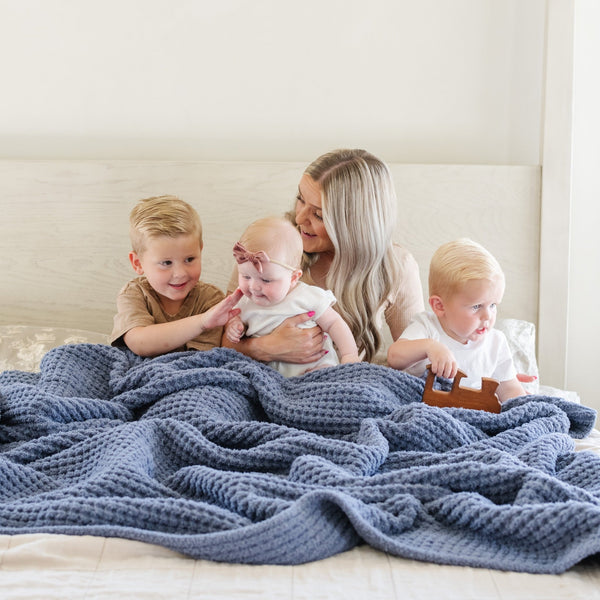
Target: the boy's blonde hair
(162, 215)
(455, 263)
(277, 237)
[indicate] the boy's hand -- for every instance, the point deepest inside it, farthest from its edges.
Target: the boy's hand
(234, 329)
(220, 313)
(442, 360)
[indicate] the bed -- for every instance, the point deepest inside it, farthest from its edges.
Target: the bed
(63, 246)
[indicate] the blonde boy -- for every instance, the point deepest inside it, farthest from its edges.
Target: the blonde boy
(466, 285)
(167, 307)
(268, 256)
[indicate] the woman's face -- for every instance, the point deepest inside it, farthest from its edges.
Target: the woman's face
(309, 217)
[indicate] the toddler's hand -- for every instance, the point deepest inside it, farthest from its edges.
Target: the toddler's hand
(442, 360)
(524, 378)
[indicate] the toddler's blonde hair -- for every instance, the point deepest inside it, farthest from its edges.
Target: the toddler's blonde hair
(162, 215)
(459, 261)
(277, 237)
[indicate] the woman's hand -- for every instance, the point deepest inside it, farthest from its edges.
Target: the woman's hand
(286, 343)
(291, 343)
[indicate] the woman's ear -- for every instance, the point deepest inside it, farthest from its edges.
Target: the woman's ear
(437, 305)
(134, 259)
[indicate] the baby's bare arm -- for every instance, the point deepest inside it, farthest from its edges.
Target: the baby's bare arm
(341, 335)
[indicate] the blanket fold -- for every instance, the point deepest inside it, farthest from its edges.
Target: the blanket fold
(217, 456)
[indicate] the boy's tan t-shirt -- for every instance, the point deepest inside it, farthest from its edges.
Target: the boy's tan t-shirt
(138, 306)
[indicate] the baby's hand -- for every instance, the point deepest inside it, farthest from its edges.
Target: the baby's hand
(234, 329)
(442, 360)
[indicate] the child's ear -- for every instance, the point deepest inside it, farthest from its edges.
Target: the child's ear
(437, 305)
(134, 259)
(295, 277)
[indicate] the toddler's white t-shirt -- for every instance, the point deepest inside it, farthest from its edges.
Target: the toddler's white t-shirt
(488, 357)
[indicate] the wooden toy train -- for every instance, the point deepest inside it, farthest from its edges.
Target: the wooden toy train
(463, 397)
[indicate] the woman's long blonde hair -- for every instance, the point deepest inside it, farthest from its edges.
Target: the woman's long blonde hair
(359, 213)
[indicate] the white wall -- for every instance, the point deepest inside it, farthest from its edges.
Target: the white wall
(569, 327)
(433, 81)
(584, 273)
(557, 160)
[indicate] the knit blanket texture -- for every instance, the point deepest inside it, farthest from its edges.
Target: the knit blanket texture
(219, 457)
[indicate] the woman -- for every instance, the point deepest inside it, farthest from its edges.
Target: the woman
(346, 213)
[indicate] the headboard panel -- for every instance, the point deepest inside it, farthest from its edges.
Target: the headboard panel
(497, 206)
(64, 225)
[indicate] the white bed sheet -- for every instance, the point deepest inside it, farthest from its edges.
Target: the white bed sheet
(33, 567)
(42, 566)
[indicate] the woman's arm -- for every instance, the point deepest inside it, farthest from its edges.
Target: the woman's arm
(286, 343)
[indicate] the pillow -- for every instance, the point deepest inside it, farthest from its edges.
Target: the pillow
(22, 346)
(521, 341)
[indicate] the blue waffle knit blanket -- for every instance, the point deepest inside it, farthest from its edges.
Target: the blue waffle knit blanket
(220, 457)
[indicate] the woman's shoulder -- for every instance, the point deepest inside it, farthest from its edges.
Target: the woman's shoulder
(403, 256)
(406, 297)
(408, 272)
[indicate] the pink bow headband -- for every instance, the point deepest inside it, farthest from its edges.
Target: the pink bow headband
(242, 255)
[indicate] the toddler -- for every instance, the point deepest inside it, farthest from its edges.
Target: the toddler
(466, 284)
(167, 307)
(268, 256)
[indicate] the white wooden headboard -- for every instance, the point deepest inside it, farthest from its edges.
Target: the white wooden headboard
(64, 225)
